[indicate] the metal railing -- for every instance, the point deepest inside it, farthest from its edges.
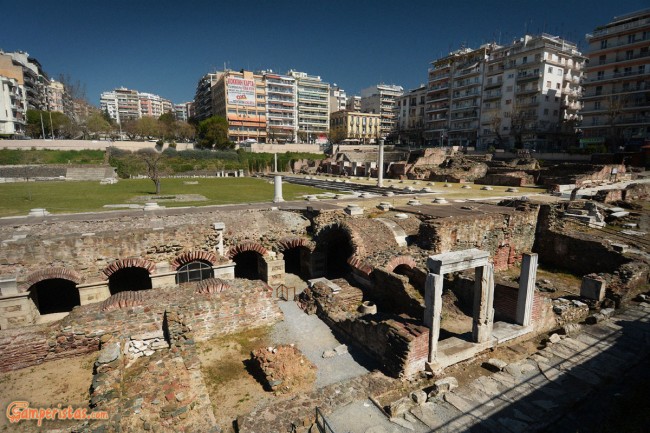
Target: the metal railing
(321, 423)
(282, 292)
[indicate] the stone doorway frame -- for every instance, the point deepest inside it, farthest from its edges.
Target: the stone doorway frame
(483, 311)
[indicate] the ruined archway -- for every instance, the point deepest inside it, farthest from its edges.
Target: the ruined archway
(247, 265)
(296, 252)
(132, 278)
(54, 295)
(335, 244)
(129, 274)
(191, 256)
(248, 258)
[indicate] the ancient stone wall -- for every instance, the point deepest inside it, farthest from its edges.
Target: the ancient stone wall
(573, 251)
(517, 178)
(393, 293)
(506, 236)
(246, 304)
(88, 246)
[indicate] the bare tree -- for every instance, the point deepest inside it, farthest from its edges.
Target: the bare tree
(154, 162)
(615, 106)
(495, 125)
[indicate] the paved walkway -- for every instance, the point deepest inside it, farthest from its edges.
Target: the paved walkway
(549, 391)
(313, 337)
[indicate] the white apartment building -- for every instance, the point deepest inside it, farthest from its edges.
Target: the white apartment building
(525, 95)
(617, 89)
(153, 105)
(338, 99)
(183, 111)
(124, 104)
(410, 120)
(382, 99)
(13, 100)
(281, 107)
(313, 107)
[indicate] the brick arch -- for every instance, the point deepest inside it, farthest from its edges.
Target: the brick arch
(294, 242)
(212, 285)
(355, 238)
(128, 263)
(246, 246)
(192, 256)
(49, 274)
(126, 299)
(401, 260)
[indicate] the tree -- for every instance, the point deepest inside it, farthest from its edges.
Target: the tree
(154, 162)
(213, 133)
(615, 106)
(168, 126)
(185, 131)
(495, 125)
(97, 124)
(147, 127)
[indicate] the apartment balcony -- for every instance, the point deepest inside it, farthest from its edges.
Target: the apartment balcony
(464, 107)
(492, 96)
(528, 77)
(437, 109)
(493, 85)
(529, 104)
(467, 95)
(532, 90)
(436, 77)
(619, 28)
(438, 87)
(618, 75)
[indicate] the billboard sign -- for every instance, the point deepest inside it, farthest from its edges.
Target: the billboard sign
(240, 91)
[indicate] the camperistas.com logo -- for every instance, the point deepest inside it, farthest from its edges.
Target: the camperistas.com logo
(20, 411)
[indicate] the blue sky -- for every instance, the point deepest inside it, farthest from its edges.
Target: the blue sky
(164, 46)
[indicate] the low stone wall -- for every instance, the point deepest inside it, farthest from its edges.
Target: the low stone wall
(518, 178)
(392, 293)
(246, 304)
(399, 344)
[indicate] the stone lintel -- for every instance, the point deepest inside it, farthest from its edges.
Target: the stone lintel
(454, 261)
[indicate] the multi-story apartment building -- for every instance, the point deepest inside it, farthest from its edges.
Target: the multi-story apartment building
(121, 104)
(35, 81)
(313, 107)
(353, 103)
(382, 99)
(531, 95)
(281, 107)
(453, 99)
(410, 123)
(361, 127)
(56, 96)
(338, 99)
(203, 96)
(617, 90)
(13, 101)
(124, 104)
(525, 94)
(153, 105)
(240, 97)
(183, 111)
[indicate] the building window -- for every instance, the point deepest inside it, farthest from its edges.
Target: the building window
(194, 271)
(629, 54)
(508, 101)
(524, 60)
(631, 38)
(599, 90)
(600, 75)
(550, 69)
(602, 59)
(603, 44)
(548, 84)
(597, 105)
(545, 111)
(557, 86)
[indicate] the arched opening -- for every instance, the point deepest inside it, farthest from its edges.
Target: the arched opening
(196, 270)
(416, 277)
(337, 247)
(295, 260)
(247, 264)
(55, 295)
(130, 278)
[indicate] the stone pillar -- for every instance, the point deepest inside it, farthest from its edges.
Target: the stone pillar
(17, 310)
(380, 165)
(275, 165)
(483, 301)
(526, 289)
(433, 311)
(277, 182)
(219, 227)
(90, 293)
(272, 271)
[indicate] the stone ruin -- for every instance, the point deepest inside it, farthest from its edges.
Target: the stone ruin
(149, 292)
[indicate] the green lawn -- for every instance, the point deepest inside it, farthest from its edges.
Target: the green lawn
(66, 197)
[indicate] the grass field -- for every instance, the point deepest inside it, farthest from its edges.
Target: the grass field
(67, 197)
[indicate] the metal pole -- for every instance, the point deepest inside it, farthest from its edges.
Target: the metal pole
(42, 126)
(51, 127)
